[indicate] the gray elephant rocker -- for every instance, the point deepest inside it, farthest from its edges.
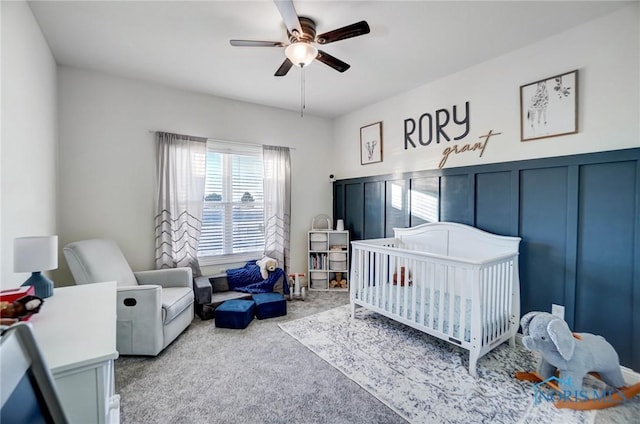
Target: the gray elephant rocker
(572, 355)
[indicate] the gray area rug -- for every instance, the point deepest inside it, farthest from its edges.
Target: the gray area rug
(426, 380)
(256, 375)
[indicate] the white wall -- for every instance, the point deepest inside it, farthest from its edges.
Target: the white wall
(106, 175)
(107, 157)
(606, 52)
(28, 149)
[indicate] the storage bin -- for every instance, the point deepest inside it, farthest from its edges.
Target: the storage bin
(321, 222)
(318, 245)
(338, 265)
(319, 283)
(337, 256)
(318, 236)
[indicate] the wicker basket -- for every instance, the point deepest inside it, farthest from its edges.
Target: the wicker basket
(322, 222)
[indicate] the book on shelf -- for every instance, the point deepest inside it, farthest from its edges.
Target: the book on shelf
(318, 261)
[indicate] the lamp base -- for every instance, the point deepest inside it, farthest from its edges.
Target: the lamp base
(42, 285)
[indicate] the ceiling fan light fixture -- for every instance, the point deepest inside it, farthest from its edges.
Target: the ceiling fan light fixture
(301, 53)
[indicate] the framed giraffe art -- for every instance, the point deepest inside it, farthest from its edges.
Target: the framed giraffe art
(549, 107)
(371, 143)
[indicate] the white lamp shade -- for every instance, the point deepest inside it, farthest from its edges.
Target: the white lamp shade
(31, 254)
(301, 53)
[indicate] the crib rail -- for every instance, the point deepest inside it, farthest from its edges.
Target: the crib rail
(471, 302)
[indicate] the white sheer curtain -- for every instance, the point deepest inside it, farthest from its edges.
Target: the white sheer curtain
(181, 165)
(277, 204)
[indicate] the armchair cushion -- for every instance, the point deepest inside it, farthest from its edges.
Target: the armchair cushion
(169, 277)
(174, 301)
(98, 260)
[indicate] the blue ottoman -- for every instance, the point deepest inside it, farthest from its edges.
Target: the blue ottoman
(269, 305)
(235, 313)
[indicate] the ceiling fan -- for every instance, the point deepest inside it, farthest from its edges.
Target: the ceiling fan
(302, 35)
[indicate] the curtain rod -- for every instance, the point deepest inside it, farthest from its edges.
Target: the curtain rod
(244, 143)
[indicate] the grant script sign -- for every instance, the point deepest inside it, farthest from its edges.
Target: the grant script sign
(436, 127)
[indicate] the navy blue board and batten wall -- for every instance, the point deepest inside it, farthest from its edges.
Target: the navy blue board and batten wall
(578, 217)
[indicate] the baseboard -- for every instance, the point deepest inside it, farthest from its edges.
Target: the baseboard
(630, 376)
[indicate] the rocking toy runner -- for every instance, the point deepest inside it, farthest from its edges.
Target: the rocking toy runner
(567, 357)
(299, 287)
(605, 399)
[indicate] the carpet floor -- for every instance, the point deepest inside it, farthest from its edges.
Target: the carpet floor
(426, 380)
(262, 375)
(256, 375)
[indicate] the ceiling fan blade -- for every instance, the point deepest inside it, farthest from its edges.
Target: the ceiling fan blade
(289, 16)
(353, 30)
(255, 43)
(329, 60)
(284, 68)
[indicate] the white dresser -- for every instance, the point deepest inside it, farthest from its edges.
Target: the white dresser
(76, 331)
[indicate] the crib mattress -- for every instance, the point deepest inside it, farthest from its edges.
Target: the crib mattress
(396, 305)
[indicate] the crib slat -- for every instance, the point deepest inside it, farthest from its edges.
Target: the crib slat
(414, 283)
(497, 306)
(507, 295)
(464, 316)
(492, 280)
(392, 294)
(441, 291)
(423, 284)
(487, 311)
(452, 300)
(511, 289)
(486, 320)
(384, 281)
(432, 297)
(402, 285)
(502, 298)
(354, 276)
(366, 276)
(494, 301)
(372, 262)
(496, 317)
(493, 316)
(397, 288)
(485, 296)
(376, 279)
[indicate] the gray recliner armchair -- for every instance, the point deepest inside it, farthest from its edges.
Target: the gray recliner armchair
(154, 307)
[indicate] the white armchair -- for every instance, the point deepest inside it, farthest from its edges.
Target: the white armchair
(154, 307)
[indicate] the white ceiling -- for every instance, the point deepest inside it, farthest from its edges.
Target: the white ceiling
(186, 44)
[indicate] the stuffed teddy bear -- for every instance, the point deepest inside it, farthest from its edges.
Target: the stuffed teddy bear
(338, 282)
(572, 354)
(267, 265)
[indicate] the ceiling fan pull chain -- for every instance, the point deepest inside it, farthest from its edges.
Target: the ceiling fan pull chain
(302, 92)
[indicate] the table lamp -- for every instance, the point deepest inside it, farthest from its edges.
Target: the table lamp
(36, 254)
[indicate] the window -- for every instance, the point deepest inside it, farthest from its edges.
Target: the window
(233, 212)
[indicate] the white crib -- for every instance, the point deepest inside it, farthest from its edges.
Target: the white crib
(452, 281)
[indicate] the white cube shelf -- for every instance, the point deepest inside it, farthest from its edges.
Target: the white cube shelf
(328, 259)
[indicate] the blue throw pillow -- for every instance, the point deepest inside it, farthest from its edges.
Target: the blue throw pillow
(240, 277)
(266, 286)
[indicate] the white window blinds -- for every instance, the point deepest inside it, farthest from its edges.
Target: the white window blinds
(233, 213)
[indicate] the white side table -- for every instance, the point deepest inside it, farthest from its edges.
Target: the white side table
(76, 331)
